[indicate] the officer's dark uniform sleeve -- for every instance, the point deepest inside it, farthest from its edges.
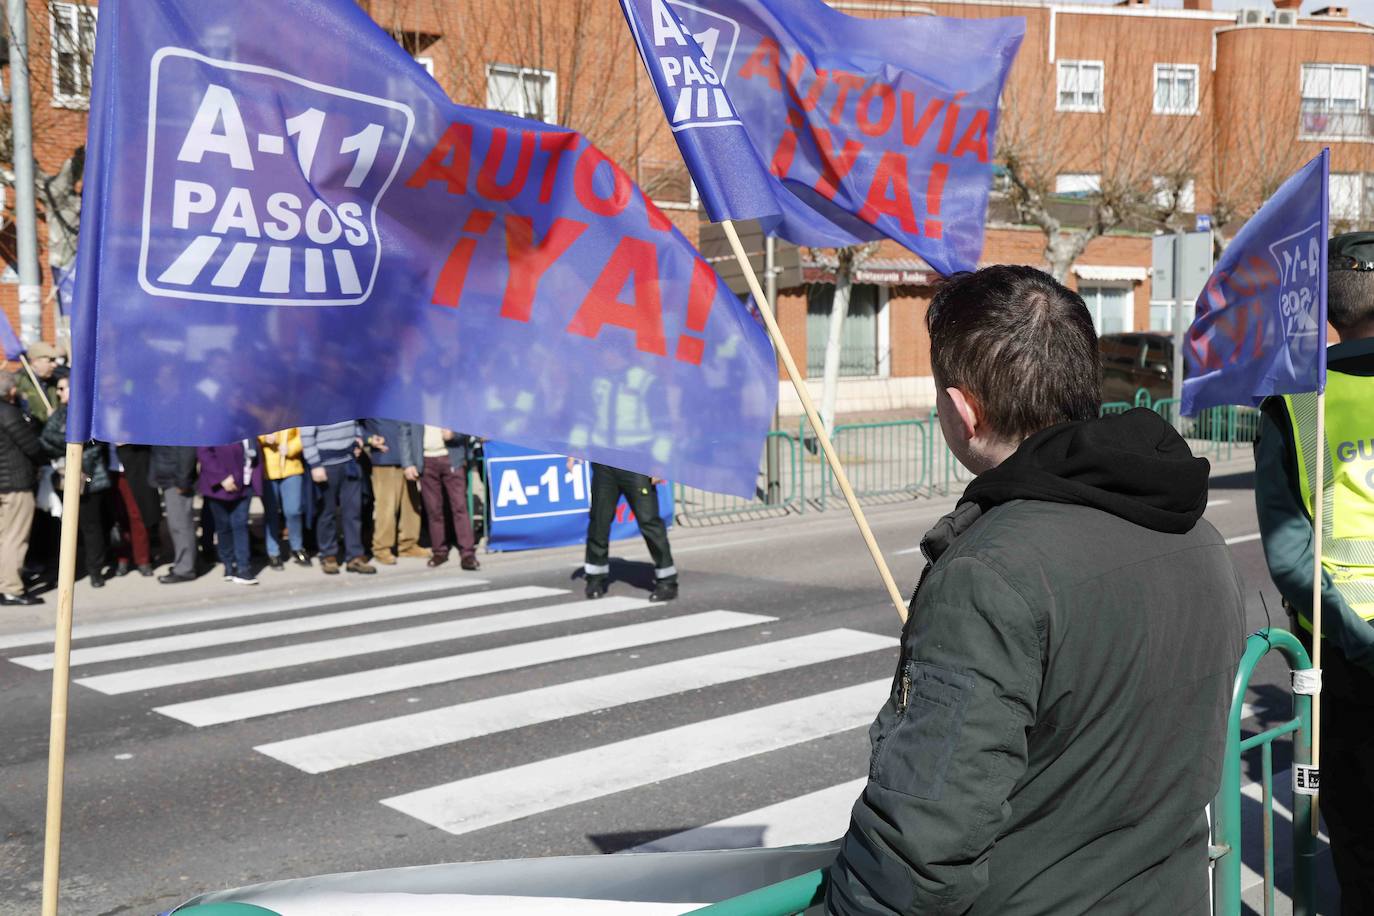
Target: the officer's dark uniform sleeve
(1286, 529)
(945, 757)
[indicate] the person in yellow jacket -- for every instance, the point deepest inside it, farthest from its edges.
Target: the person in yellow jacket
(283, 494)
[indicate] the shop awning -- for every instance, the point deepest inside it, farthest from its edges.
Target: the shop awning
(1111, 272)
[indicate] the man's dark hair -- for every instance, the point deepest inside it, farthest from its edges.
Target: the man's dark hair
(1021, 343)
(1349, 298)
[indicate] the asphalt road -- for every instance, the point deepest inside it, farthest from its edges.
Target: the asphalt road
(211, 757)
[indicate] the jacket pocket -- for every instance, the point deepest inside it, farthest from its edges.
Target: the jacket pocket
(913, 753)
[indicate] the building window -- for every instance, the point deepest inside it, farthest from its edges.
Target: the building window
(426, 62)
(523, 92)
(1168, 189)
(859, 336)
(1176, 89)
(1347, 192)
(1334, 101)
(1110, 306)
(1077, 184)
(1080, 85)
(73, 49)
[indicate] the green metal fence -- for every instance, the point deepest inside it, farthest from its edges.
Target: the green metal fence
(692, 506)
(1226, 819)
(797, 894)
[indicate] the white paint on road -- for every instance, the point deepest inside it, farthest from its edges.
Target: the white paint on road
(816, 817)
(205, 669)
(313, 599)
(533, 788)
(1218, 502)
(290, 626)
(250, 704)
(1244, 538)
(373, 741)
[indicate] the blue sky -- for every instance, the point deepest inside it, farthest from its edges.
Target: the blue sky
(1359, 9)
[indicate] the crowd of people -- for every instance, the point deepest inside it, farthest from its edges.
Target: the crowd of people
(144, 506)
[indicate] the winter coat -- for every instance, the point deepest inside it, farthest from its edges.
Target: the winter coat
(218, 462)
(404, 443)
(274, 465)
(331, 444)
(21, 452)
(1057, 720)
(95, 458)
(173, 467)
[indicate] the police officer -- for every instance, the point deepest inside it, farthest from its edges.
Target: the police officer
(608, 485)
(1285, 464)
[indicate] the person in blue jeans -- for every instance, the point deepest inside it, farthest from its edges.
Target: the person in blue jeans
(283, 490)
(230, 476)
(332, 453)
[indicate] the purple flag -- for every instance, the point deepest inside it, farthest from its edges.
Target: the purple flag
(14, 348)
(1260, 324)
(833, 130)
(288, 223)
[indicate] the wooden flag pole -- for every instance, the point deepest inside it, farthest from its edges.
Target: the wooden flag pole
(1318, 519)
(834, 460)
(61, 674)
(37, 386)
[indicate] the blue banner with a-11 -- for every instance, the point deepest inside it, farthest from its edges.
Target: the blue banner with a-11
(536, 500)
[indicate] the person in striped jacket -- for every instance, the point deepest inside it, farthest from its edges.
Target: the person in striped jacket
(332, 452)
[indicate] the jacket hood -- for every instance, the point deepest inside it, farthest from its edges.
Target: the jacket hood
(1133, 465)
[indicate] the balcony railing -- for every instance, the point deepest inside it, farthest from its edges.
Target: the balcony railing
(1335, 124)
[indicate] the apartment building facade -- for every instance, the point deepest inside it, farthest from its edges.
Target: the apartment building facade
(1179, 111)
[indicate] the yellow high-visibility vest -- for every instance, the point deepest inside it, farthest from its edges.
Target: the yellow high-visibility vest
(1348, 494)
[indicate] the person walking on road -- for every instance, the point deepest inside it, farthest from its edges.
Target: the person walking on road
(445, 479)
(332, 453)
(230, 476)
(172, 469)
(21, 454)
(639, 490)
(1056, 724)
(1285, 468)
(283, 495)
(394, 447)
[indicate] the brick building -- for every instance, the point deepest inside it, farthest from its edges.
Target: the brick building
(1173, 111)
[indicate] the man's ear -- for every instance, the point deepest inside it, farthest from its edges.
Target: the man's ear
(968, 410)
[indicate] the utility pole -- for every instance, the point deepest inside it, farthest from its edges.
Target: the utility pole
(772, 450)
(1180, 324)
(25, 217)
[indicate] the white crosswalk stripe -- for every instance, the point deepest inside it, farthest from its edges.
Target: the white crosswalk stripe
(302, 694)
(291, 626)
(816, 817)
(191, 616)
(366, 644)
(505, 795)
(432, 728)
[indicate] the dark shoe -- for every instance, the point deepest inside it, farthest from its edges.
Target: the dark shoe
(122, 568)
(360, 565)
(275, 563)
(596, 586)
(97, 580)
(437, 560)
(20, 600)
(301, 557)
(470, 563)
(145, 570)
(664, 590)
(172, 578)
(330, 565)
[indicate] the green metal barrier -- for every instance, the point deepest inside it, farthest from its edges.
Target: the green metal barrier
(1226, 826)
(882, 459)
(1111, 408)
(782, 899)
(703, 507)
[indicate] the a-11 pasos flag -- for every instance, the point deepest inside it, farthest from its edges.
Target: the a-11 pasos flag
(287, 222)
(1260, 323)
(833, 130)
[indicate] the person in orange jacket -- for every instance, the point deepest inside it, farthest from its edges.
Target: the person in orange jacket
(283, 494)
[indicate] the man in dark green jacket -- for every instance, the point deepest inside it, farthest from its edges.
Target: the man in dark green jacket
(1057, 719)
